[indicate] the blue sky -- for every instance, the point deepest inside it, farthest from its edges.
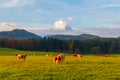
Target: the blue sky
(79, 14)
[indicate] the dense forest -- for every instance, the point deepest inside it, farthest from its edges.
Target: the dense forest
(92, 46)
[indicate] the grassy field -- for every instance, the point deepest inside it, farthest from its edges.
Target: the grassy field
(42, 67)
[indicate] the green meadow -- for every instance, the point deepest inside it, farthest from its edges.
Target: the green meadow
(40, 67)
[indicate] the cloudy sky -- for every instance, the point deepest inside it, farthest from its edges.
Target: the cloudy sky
(99, 17)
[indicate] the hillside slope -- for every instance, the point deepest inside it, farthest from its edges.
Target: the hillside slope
(18, 34)
(73, 37)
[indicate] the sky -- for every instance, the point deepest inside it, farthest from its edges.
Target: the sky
(72, 17)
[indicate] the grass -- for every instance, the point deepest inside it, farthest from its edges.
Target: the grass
(8, 51)
(42, 68)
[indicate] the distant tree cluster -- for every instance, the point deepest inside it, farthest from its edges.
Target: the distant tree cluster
(92, 46)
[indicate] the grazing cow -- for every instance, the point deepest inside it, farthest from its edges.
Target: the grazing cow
(59, 58)
(74, 55)
(77, 55)
(34, 55)
(20, 56)
(50, 55)
(47, 55)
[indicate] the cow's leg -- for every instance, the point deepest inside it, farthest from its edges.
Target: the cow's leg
(56, 61)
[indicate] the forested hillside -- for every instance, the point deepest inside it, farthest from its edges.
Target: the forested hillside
(92, 46)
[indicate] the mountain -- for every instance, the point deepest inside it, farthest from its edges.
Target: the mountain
(72, 37)
(18, 34)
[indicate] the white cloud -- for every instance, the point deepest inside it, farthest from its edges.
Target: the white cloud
(70, 18)
(7, 26)
(15, 3)
(61, 25)
(110, 5)
(55, 32)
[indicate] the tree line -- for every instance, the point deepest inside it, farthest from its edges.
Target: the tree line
(92, 46)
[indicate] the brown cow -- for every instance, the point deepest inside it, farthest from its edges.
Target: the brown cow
(77, 55)
(48, 55)
(59, 58)
(21, 56)
(34, 55)
(74, 55)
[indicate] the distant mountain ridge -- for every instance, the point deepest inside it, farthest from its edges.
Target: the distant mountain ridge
(18, 34)
(23, 34)
(73, 37)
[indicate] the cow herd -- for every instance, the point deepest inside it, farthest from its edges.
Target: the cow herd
(57, 59)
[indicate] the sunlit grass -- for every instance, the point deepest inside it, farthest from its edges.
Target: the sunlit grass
(89, 67)
(43, 68)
